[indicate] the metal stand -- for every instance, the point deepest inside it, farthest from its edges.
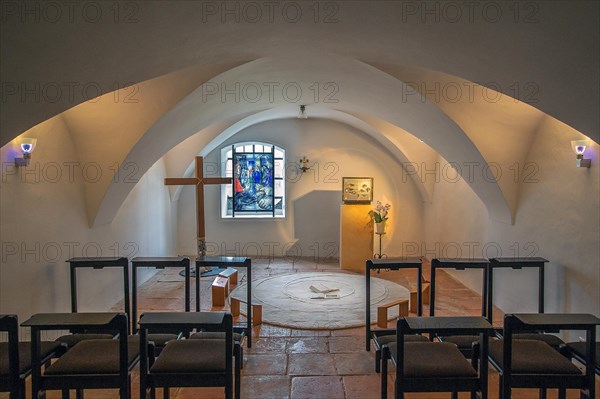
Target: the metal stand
(379, 255)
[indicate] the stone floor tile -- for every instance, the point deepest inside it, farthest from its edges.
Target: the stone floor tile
(365, 386)
(267, 330)
(347, 344)
(310, 333)
(266, 387)
(344, 332)
(322, 387)
(307, 345)
(311, 364)
(198, 393)
(268, 345)
(354, 363)
(265, 364)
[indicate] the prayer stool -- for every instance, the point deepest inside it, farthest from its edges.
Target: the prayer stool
(426, 291)
(257, 314)
(256, 311)
(235, 307)
(220, 290)
(231, 274)
(382, 311)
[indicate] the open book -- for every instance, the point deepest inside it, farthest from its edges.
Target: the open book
(325, 296)
(320, 288)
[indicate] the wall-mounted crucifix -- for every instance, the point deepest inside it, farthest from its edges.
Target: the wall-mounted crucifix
(199, 181)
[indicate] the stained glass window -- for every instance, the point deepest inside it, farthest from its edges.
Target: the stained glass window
(258, 188)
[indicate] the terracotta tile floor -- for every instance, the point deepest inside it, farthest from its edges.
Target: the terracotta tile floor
(305, 364)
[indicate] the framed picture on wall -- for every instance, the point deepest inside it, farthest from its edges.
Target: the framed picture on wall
(357, 190)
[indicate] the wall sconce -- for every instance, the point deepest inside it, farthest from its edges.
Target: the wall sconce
(579, 148)
(302, 114)
(27, 146)
(303, 162)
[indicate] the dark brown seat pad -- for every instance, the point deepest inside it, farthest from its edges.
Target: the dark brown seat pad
(191, 356)
(533, 357)
(94, 356)
(433, 359)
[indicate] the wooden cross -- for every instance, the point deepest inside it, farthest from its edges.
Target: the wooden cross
(199, 181)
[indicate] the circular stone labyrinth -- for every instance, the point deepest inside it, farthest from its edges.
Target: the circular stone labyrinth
(288, 301)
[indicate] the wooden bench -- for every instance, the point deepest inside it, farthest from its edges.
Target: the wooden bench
(220, 290)
(425, 294)
(256, 310)
(231, 274)
(382, 311)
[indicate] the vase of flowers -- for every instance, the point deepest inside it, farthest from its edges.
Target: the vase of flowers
(380, 215)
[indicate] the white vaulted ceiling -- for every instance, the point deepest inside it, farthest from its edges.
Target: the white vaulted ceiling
(178, 62)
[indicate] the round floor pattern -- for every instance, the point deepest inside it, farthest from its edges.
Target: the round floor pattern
(288, 300)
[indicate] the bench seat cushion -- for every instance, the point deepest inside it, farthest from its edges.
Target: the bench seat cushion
(47, 348)
(462, 341)
(73, 339)
(433, 359)
(191, 356)
(550, 339)
(533, 357)
(161, 340)
(94, 356)
(388, 339)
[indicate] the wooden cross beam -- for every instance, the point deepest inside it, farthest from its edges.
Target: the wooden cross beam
(199, 181)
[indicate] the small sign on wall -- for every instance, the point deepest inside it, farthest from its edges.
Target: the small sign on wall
(357, 190)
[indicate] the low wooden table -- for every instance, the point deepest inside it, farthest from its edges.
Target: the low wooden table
(229, 261)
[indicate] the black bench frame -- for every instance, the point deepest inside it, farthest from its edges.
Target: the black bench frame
(99, 263)
(444, 326)
(12, 382)
(206, 321)
(158, 263)
(515, 264)
(461, 264)
(390, 264)
(230, 261)
(524, 322)
(65, 321)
